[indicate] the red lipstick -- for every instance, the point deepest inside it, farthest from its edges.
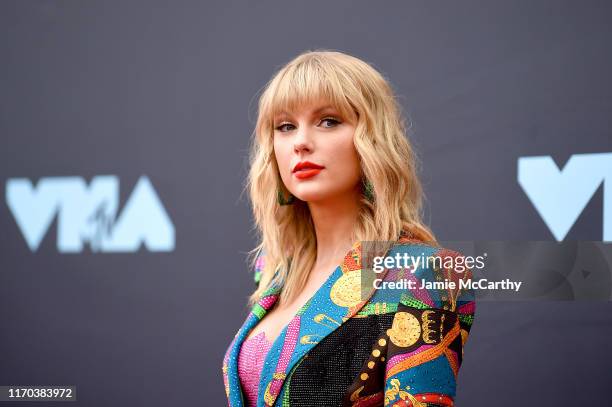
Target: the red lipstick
(306, 169)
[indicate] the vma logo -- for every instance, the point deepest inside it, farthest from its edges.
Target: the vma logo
(560, 196)
(89, 214)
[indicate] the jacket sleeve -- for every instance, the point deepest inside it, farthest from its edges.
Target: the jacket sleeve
(426, 342)
(259, 265)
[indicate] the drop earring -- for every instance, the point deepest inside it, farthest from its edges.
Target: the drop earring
(281, 199)
(368, 189)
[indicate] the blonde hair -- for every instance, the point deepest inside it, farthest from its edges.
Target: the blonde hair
(358, 91)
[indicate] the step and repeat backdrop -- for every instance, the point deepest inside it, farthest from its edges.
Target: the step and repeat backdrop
(124, 224)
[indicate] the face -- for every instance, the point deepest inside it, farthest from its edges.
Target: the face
(315, 153)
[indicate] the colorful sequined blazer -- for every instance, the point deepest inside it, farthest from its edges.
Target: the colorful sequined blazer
(384, 347)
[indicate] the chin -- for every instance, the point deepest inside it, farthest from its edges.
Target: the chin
(308, 192)
(308, 197)
(313, 197)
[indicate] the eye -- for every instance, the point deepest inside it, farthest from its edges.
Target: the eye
(282, 126)
(334, 122)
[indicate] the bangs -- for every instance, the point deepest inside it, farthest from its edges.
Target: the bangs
(307, 82)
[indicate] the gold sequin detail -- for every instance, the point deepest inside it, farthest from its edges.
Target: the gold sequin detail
(346, 291)
(405, 330)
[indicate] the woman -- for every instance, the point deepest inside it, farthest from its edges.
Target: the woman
(331, 171)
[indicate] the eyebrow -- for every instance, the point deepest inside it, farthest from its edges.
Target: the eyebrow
(316, 111)
(326, 107)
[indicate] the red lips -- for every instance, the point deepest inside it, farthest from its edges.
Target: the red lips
(306, 169)
(302, 165)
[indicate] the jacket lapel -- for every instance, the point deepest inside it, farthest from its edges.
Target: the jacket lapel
(337, 300)
(233, 389)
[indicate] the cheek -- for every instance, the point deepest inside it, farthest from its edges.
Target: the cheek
(282, 157)
(346, 158)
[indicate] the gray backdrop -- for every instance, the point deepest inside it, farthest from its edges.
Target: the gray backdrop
(167, 90)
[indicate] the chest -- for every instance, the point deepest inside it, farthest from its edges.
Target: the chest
(282, 313)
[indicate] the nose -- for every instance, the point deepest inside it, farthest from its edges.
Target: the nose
(303, 140)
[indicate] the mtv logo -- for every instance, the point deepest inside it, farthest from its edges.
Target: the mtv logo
(560, 196)
(89, 214)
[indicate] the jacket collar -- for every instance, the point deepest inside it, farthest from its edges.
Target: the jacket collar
(337, 300)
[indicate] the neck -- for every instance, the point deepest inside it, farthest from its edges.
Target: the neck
(334, 223)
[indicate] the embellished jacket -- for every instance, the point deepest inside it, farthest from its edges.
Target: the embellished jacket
(360, 345)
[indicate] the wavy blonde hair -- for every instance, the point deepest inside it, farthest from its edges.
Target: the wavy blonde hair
(359, 92)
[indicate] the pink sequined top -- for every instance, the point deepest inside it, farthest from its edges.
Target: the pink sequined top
(251, 359)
